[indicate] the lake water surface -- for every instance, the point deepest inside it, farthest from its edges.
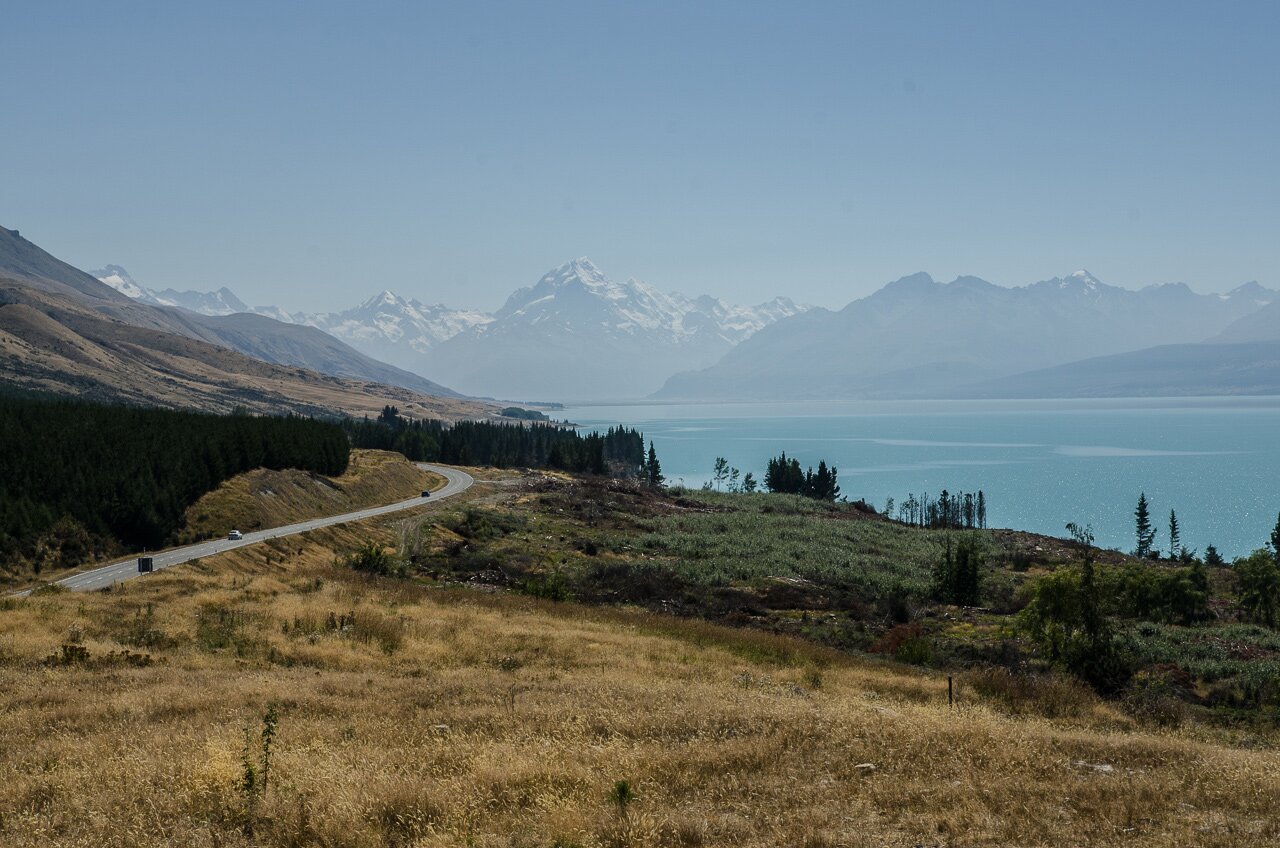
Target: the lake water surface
(1216, 461)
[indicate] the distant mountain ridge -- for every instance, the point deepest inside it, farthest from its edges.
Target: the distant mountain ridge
(1177, 370)
(65, 330)
(1260, 326)
(531, 348)
(221, 302)
(918, 337)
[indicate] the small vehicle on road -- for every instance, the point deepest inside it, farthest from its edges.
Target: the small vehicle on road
(235, 536)
(425, 493)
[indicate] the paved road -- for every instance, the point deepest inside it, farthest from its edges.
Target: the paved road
(456, 481)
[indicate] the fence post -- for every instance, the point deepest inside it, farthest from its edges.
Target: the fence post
(950, 693)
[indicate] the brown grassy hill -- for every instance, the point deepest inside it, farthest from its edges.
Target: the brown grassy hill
(413, 715)
(49, 342)
(265, 498)
(290, 345)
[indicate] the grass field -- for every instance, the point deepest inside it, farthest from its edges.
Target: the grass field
(426, 712)
(416, 715)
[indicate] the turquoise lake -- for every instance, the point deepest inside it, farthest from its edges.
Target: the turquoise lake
(1216, 461)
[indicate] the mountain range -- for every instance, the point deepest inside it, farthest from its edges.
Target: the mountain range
(919, 337)
(575, 333)
(63, 330)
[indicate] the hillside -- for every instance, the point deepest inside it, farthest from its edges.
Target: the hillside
(53, 343)
(265, 498)
(918, 337)
(299, 345)
(410, 714)
(1260, 326)
(1187, 370)
(24, 263)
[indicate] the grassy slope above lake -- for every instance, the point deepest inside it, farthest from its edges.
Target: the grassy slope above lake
(432, 716)
(839, 575)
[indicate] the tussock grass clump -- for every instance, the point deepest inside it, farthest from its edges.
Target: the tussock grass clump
(1044, 694)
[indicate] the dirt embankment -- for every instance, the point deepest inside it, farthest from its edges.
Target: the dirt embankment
(263, 498)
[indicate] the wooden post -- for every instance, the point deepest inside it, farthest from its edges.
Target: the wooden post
(951, 700)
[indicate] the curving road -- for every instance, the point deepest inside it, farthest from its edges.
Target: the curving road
(455, 483)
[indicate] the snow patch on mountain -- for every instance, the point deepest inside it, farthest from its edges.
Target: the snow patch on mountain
(388, 318)
(119, 279)
(578, 296)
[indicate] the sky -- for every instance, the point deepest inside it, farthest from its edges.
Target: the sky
(308, 155)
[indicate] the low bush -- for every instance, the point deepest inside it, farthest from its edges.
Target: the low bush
(375, 559)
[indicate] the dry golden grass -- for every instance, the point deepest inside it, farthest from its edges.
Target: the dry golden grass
(265, 498)
(443, 717)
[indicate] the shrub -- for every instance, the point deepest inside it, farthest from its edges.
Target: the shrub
(906, 643)
(374, 559)
(1065, 617)
(1156, 593)
(1159, 695)
(1259, 579)
(551, 586)
(143, 632)
(476, 525)
(622, 796)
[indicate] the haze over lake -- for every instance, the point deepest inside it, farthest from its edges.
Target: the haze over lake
(1042, 463)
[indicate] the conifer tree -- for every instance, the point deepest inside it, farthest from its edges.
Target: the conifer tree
(653, 468)
(1175, 537)
(1145, 532)
(1275, 540)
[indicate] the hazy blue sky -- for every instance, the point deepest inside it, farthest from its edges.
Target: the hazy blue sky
(309, 154)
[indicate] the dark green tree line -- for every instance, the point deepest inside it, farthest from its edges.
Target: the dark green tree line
(783, 475)
(128, 474)
(502, 445)
(957, 578)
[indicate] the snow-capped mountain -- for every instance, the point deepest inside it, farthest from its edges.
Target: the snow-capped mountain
(395, 329)
(220, 302)
(386, 326)
(119, 279)
(577, 334)
(574, 333)
(578, 294)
